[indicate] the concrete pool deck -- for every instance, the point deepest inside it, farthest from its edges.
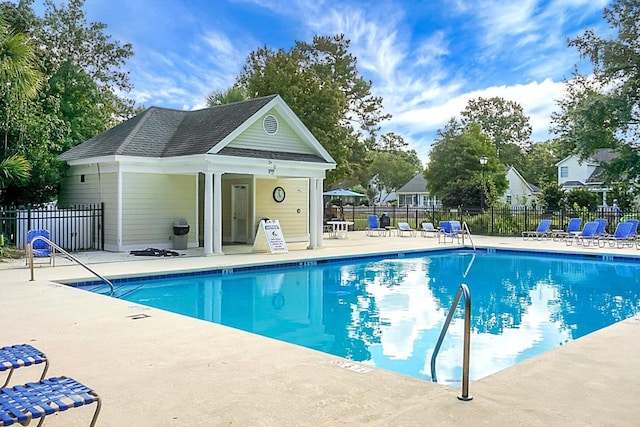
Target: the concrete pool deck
(170, 370)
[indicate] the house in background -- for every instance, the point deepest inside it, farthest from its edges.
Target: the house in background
(574, 173)
(519, 192)
(414, 193)
(383, 197)
(222, 169)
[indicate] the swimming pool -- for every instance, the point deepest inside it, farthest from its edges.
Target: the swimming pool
(388, 312)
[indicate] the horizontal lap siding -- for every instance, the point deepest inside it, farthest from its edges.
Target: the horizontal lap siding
(96, 188)
(285, 140)
(294, 225)
(152, 202)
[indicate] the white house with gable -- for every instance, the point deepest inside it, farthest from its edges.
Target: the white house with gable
(576, 173)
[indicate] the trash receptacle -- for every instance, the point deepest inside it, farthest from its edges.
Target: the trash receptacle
(180, 233)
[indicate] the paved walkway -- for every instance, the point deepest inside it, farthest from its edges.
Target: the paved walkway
(169, 370)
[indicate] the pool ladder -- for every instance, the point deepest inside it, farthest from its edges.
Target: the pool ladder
(465, 229)
(66, 254)
(463, 291)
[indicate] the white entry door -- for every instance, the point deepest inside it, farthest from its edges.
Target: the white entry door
(239, 202)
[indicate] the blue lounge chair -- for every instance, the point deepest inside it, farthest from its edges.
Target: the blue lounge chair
(373, 227)
(586, 236)
(22, 403)
(633, 232)
(619, 238)
(572, 228)
(428, 230)
(17, 356)
(541, 232)
(404, 227)
(602, 227)
(447, 232)
(39, 247)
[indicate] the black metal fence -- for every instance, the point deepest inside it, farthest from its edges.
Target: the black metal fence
(74, 228)
(502, 221)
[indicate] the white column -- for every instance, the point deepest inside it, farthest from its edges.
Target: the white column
(217, 213)
(313, 215)
(315, 205)
(208, 213)
(119, 207)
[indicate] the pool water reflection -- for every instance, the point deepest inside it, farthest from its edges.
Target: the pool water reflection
(389, 312)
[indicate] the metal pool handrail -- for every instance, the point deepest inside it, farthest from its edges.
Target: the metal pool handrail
(465, 227)
(464, 290)
(65, 253)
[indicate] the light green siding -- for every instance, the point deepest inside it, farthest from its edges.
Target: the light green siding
(152, 202)
(285, 140)
(293, 212)
(96, 188)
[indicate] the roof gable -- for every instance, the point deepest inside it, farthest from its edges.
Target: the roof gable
(161, 133)
(417, 184)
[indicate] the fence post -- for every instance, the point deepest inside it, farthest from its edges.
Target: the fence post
(101, 225)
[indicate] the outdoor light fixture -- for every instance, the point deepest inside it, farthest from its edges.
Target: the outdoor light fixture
(483, 162)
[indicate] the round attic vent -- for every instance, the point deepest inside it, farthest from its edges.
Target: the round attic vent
(270, 124)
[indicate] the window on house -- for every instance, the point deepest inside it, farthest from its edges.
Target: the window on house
(509, 200)
(81, 178)
(564, 171)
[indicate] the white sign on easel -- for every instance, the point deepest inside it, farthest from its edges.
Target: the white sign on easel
(269, 237)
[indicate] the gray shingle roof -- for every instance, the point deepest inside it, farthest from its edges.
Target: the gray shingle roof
(417, 184)
(162, 132)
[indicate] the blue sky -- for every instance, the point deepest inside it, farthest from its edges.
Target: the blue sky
(426, 59)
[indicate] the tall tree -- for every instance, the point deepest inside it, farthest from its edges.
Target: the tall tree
(454, 174)
(504, 122)
(604, 111)
(20, 80)
(393, 169)
(233, 94)
(80, 97)
(322, 85)
(539, 162)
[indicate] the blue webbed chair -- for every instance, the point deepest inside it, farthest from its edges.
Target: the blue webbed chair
(586, 236)
(40, 248)
(373, 227)
(23, 403)
(541, 232)
(17, 356)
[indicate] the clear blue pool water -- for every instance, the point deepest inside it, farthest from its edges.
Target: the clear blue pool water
(389, 312)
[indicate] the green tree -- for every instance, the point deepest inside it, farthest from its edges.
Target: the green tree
(553, 197)
(455, 175)
(539, 163)
(79, 98)
(13, 169)
(20, 80)
(504, 122)
(603, 111)
(583, 198)
(233, 94)
(321, 83)
(394, 168)
(624, 193)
